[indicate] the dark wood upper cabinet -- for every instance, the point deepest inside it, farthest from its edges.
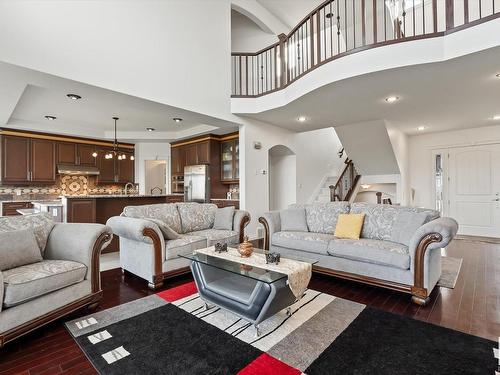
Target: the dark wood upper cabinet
(43, 165)
(66, 153)
(203, 153)
(15, 160)
(84, 155)
(178, 156)
(230, 171)
(191, 158)
(107, 173)
(125, 169)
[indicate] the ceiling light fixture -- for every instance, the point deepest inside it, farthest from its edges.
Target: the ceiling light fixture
(497, 75)
(496, 117)
(421, 128)
(150, 129)
(51, 118)
(392, 99)
(301, 118)
(114, 153)
(177, 119)
(329, 15)
(365, 186)
(73, 96)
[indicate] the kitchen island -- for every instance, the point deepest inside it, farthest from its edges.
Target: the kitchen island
(99, 208)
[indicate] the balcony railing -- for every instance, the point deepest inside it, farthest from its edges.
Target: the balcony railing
(340, 27)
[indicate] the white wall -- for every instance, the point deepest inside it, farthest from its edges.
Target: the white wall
(421, 164)
(316, 155)
(150, 151)
(282, 181)
(400, 146)
(175, 52)
(246, 36)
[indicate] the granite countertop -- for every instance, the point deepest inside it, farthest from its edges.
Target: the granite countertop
(120, 196)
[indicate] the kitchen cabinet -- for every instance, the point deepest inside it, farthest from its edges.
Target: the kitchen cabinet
(75, 154)
(178, 157)
(191, 157)
(10, 208)
(106, 167)
(125, 168)
(26, 160)
(203, 153)
(43, 157)
(230, 172)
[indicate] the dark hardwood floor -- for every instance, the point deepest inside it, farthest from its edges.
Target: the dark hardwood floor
(472, 307)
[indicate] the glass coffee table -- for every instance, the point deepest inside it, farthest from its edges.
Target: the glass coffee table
(253, 293)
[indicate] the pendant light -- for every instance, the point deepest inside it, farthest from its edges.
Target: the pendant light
(115, 153)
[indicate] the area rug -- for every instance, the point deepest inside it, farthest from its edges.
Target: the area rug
(172, 332)
(450, 269)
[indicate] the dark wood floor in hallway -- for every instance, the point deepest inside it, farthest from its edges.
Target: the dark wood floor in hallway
(472, 307)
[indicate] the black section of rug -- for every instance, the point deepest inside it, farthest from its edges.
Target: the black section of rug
(377, 342)
(167, 340)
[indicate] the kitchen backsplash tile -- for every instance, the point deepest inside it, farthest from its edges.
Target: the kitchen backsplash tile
(67, 185)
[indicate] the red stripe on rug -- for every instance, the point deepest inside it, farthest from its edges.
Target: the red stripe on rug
(267, 365)
(178, 292)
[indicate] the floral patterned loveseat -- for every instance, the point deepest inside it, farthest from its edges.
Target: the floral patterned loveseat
(153, 237)
(399, 246)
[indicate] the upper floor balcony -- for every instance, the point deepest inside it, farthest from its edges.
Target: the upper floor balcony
(337, 29)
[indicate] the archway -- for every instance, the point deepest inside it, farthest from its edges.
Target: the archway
(282, 177)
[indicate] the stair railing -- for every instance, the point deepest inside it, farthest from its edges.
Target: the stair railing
(346, 183)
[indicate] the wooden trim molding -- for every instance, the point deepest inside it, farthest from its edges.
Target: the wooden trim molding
(244, 222)
(202, 138)
(27, 327)
(151, 233)
(266, 232)
(96, 259)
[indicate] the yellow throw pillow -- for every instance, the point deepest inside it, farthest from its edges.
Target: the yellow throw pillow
(349, 226)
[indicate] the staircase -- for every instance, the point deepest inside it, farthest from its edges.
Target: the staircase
(324, 191)
(345, 186)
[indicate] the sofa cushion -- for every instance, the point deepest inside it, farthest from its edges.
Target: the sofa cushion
(18, 248)
(34, 280)
(372, 251)
(293, 219)
(196, 216)
(184, 245)
(306, 241)
(168, 233)
(349, 226)
(382, 220)
(166, 212)
(224, 218)
(322, 217)
(216, 235)
(41, 224)
(406, 224)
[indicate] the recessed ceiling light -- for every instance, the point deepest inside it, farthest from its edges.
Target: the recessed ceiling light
(497, 75)
(392, 99)
(177, 119)
(329, 15)
(51, 118)
(150, 129)
(421, 128)
(365, 186)
(73, 96)
(301, 118)
(496, 117)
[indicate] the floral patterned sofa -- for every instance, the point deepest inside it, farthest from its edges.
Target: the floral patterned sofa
(153, 237)
(399, 246)
(63, 278)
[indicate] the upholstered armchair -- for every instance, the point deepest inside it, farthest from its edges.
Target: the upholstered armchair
(65, 278)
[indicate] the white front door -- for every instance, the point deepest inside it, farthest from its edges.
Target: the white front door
(474, 189)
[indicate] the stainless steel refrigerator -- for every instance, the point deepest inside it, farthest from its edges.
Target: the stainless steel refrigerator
(196, 183)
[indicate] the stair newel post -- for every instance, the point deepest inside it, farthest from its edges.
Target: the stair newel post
(284, 69)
